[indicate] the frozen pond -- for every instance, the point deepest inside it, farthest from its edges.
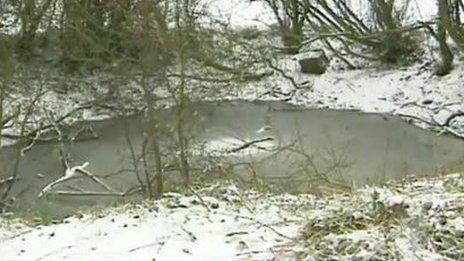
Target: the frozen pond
(349, 147)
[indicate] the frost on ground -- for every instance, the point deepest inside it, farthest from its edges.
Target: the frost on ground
(408, 220)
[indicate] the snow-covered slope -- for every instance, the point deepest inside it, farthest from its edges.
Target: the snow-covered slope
(409, 220)
(225, 224)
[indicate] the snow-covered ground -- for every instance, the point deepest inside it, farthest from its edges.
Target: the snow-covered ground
(409, 220)
(223, 223)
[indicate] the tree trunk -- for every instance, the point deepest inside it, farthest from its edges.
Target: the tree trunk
(184, 165)
(453, 24)
(153, 141)
(446, 64)
(1, 111)
(292, 29)
(183, 27)
(159, 177)
(31, 15)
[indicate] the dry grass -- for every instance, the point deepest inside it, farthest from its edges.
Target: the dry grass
(428, 224)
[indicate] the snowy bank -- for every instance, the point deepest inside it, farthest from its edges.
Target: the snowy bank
(412, 92)
(225, 224)
(411, 219)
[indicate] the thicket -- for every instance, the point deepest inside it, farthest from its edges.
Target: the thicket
(382, 31)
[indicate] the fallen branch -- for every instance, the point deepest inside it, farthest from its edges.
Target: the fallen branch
(86, 193)
(8, 180)
(93, 177)
(284, 74)
(43, 128)
(452, 117)
(253, 252)
(81, 131)
(56, 251)
(142, 247)
(73, 172)
(231, 234)
(199, 198)
(445, 126)
(193, 238)
(262, 225)
(248, 144)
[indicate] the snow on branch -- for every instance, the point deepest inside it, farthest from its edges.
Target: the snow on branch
(72, 173)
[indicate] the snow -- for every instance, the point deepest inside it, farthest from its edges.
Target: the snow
(228, 145)
(236, 224)
(417, 213)
(176, 227)
(241, 13)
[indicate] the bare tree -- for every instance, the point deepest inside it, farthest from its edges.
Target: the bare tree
(290, 16)
(153, 60)
(386, 38)
(36, 92)
(31, 14)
